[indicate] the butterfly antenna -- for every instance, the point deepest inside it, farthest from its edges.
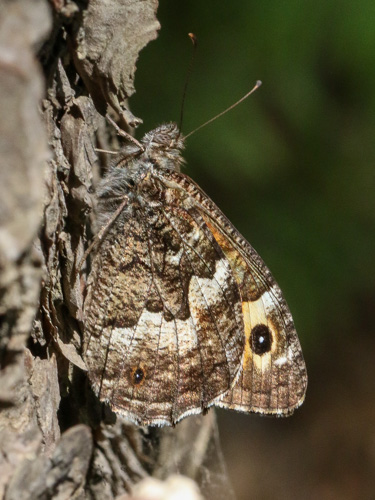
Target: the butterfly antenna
(193, 38)
(256, 86)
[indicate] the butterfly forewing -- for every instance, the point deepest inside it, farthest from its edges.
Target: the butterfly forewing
(273, 378)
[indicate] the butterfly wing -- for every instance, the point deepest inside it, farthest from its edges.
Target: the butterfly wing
(273, 378)
(164, 333)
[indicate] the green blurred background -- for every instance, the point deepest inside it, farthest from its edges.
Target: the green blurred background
(293, 169)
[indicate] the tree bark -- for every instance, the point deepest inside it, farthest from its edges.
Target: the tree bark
(63, 66)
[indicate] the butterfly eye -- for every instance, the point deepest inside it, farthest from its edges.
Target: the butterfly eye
(261, 339)
(131, 183)
(137, 376)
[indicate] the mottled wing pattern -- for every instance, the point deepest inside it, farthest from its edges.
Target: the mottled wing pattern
(273, 379)
(163, 319)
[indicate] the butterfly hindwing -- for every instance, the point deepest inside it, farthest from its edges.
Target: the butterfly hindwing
(164, 330)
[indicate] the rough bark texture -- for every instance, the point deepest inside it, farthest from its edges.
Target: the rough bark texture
(63, 65)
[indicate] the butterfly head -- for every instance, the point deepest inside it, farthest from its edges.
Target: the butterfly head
(163, 146)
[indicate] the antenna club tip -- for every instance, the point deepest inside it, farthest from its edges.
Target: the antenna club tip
(258, 83)
(193, 38)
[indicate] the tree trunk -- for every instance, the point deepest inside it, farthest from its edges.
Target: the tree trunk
(55, 439)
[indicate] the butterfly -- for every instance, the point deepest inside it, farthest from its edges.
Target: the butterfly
(181, 313)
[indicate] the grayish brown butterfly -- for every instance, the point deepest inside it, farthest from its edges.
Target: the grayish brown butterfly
(181, 313)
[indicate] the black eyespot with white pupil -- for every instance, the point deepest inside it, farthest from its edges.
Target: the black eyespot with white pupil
(261, 339)
(138, 376)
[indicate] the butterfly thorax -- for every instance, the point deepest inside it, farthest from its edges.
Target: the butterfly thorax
(131, 175)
